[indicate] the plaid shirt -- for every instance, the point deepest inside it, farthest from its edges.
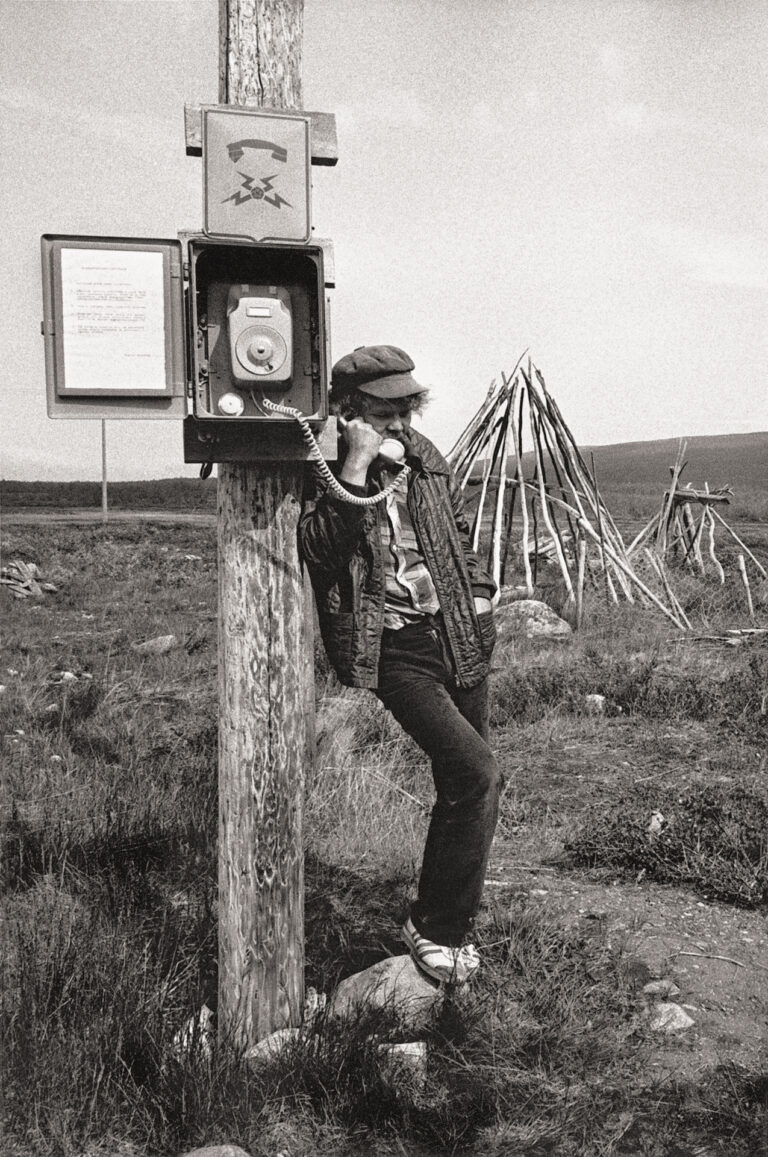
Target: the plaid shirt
(410, 592)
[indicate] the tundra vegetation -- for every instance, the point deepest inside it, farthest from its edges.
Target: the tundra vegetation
(109, 877)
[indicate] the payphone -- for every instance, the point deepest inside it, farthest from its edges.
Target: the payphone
(257, 331)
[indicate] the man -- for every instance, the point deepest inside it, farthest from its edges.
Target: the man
(405, 610)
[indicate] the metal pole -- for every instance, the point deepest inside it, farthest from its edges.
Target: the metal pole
(104, 514)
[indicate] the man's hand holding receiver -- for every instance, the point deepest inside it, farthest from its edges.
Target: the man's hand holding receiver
(363, 442)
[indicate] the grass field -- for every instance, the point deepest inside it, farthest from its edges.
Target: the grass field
(109, 869)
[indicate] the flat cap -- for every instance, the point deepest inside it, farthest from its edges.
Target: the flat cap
(384, 371)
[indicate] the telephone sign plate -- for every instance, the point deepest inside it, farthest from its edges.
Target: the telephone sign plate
(256, 167)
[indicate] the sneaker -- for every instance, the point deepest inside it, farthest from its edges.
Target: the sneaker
(454, 965)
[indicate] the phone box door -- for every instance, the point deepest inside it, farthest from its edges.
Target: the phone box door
(113, 327)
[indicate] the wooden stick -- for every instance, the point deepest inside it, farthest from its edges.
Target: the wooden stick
(554, 531)
(736, 538)
(668, 506)
(490, 462)
(518, 427)
(510, 520)
(545, 445)
(693, 537)
(687, 534)
(590, 492)
(745, 580)
(712, 555)
(564, 452)
(675, 537)
(647, 529)
(582, 484)
(658, 566)
(505, 439)
(601, 539)
(555, 457)
(582, 556)
(713, 956)
(577, 459)
(535, 520)
(697, 543)
(675, 603)
(475, 448)
(475, 424)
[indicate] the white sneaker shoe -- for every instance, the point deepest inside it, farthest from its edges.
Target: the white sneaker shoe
(440, 961)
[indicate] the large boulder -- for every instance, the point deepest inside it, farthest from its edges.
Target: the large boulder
(532, 618)
(394, 983)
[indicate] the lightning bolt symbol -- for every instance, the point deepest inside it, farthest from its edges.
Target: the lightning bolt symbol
(240, 197)
(277, 200)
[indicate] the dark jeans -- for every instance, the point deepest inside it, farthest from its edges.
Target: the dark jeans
(451, 725)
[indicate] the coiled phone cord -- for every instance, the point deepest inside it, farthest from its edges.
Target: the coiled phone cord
(316, 456)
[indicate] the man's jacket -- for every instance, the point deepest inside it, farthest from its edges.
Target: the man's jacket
(342, 547)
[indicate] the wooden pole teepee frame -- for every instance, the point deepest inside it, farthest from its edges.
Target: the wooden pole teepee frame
(561, 491)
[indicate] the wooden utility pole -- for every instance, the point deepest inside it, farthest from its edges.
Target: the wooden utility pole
(263, 670)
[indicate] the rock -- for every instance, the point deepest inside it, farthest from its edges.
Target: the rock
(314, 1004)
(394, 983)
(217, 1151)
(335, 729)
(22, 578)
(195, 1038)
(510, 594)
(668, 1017)
(656, 823)
(157, 646)
(270, 1048)
(404, 1062)
(595, 704)
(533, 618)
(661, 988)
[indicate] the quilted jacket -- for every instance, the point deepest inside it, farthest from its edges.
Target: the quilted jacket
(341, 546)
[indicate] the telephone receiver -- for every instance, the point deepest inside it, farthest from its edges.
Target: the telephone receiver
(391, 452)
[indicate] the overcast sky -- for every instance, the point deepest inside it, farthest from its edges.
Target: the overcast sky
(584, 180)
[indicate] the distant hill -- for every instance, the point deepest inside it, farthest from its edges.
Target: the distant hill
(739, 460)
(632, 477)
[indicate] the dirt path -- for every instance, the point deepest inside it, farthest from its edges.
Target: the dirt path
(716, 954)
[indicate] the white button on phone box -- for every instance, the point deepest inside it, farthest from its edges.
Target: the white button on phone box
(231, 404)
